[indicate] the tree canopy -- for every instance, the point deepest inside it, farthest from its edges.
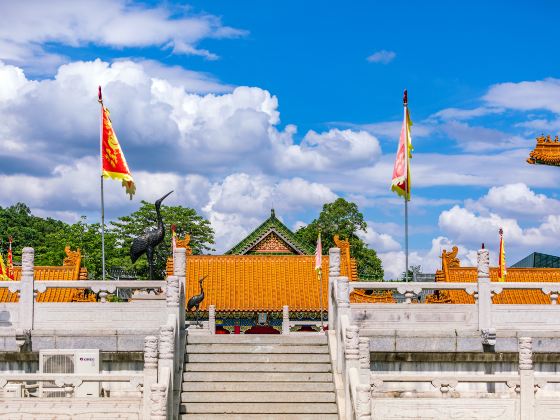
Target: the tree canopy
(344, 218)
(49, 237)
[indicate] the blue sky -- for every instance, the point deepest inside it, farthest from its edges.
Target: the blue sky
(238, 105)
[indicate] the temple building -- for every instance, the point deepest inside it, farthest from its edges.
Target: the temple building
(452, 271)
(270, 268)
(546, 152)
(70, 269)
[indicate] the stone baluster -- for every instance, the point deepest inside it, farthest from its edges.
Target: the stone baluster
(26, 294)
(365, 359)
(343, 309)
(158, 404)
(285, 320)
(180, 271)
(150, 370)
(363, 402)
(172, 294)
(488, 334)
(334, 273)
(212, 319)
(527, 378)
(166, 357)
(352, 361)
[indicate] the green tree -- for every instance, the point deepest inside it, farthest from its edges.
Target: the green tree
(186, 220)
(344, 218)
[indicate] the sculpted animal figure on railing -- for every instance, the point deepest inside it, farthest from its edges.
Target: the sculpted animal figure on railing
(147, 242)
(196, 300)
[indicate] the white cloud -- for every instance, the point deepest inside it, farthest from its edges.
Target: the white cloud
(382, 56)
(459, 114)
(26, 27)
(481, 139)
(380, 242)
(539, 94)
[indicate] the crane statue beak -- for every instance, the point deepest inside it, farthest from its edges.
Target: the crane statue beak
(163, 198)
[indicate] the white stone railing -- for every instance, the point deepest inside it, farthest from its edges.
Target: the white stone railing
(163, 354)
(288, 323)
(352, 352)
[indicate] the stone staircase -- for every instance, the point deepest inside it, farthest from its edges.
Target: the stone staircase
(264, 377)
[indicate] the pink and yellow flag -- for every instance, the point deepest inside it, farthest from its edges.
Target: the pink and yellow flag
(318, 253)
(401, 172)
(502, 271)
(114, 164)
(10, 268)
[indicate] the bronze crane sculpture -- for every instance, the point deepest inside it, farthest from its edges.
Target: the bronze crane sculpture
(147, 242)
(195, 301)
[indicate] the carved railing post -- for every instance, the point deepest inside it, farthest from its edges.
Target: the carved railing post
(334, 272)
(150, 370)
(343, 312)
(352, 361)
(212, 319)
(180, 271)
(26, 299)
(172, 294)
(365, 359)
(488, 333)
(166, 358)
(285, 320)
(158, 402)
(363, 403)
(527, 378)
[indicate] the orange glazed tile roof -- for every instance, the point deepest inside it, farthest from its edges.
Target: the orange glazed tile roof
(546, 152)
(257, 283)
(452, 272)
(70, 270)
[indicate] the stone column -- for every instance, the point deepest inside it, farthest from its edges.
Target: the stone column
(365, 359)
(150, 370)
(334, 272)
(484, 303)
(212, 319)
(343, 308)
(527, 378)
(180, 271)
(167, 356)
(285, 320)
(352, 361)
(26, 293)
(363, 403)
(158, 402)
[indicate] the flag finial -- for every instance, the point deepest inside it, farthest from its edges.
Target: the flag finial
(404, 99)
(99, 95)
(501, 232)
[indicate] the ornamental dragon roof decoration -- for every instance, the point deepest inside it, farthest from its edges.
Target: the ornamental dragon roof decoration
(546, 152)
(271, 237)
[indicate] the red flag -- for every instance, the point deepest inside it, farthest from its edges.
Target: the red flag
(114, 164)
(3, 275)
(10, 269)
(401, 171)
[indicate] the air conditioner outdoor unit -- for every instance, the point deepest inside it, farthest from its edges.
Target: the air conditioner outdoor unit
(12, 391)
(83, 362)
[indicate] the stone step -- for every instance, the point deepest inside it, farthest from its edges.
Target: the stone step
(257, 358)
(259, 408)
(259, 416)
(285, 340)
(258, 397)
(259, 386)
(255, 349)
(257, 367)
(256, 377)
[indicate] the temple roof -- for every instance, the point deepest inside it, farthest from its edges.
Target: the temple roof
(546, 152)
(70, 270)
(452, 271)
(271, 237)
(259, 283)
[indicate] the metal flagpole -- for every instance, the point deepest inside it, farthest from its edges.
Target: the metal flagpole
(100, 99)
(405, 104)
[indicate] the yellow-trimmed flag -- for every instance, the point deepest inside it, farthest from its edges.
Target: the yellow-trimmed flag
(401, 171)
(502, 271)
(10, 268)
(318, 254)
(3, 272)
(114, 164)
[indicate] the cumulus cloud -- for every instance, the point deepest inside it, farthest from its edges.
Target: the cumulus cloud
(527, 95)
(26, 28)
(382, 56)
(381, 242)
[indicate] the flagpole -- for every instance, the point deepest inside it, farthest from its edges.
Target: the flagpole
(100, 99)
(320, 273)
(405, 104)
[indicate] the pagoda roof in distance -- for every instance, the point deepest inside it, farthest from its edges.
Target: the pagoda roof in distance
(273, 231)
(546, 151)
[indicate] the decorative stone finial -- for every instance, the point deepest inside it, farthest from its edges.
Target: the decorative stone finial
(150, 351)
(483, 260)
(172, 291)
(342, 295)
(351, 342)
(334, 262)
(158, 402)
(363, 345)
(166, 341)
(525, 345)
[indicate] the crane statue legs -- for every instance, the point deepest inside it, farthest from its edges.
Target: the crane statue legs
(195, 301)
(147, 242)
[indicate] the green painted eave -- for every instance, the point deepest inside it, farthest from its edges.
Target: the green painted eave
(272, 224)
